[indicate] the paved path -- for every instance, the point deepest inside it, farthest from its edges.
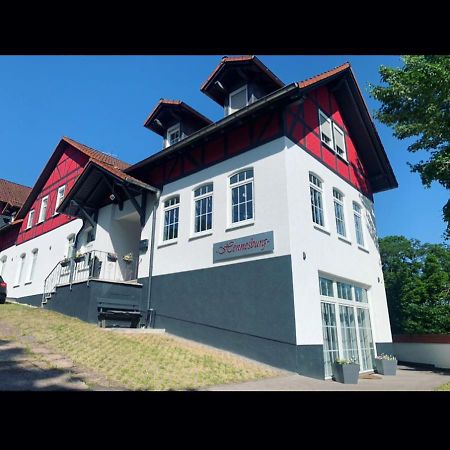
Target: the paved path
(27, 366)
(21, 370)
(407, 379)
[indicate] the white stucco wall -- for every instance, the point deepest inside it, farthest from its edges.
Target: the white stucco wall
(327, 253)
(52, 248)
(270, 211)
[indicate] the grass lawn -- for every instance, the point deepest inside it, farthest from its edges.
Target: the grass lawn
(135, 361)
(444, 387)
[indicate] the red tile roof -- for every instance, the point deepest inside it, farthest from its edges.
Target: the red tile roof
(164, 101)
(97, 155)
(322, 76)
(231, 59)
(13, 193)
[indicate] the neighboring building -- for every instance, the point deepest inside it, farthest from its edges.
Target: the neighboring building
(255, 233)
(12, 197)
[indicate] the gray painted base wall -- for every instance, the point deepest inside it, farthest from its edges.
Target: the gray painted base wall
(246, 308)
(33, 300)
(385, 347)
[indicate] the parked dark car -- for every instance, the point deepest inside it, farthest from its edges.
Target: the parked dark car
(2, 291)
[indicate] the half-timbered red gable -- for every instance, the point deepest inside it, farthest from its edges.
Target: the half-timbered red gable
(303, 128)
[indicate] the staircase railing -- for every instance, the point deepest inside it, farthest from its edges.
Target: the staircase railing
(96, 264)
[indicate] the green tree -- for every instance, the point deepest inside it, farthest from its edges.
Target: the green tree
(417, 281)
(415, 102)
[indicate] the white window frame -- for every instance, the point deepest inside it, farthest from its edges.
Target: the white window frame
(20, 270)
(59, 198)
(340, 202)
(237, 91)
(320, 190)
(194, 201)
(166, 209)
(337, 302)
(339, 130)
(171, 130)
(235, 185)
(30, 219)
(359, 214)
(42, 216)
(32, 265)
(327, 119)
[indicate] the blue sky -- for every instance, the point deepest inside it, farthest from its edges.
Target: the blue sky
(102, 101)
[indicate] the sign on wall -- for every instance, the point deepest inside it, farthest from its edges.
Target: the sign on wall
(255, 244)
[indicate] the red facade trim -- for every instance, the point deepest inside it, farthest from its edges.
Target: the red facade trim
(66, 172)
(303, 129)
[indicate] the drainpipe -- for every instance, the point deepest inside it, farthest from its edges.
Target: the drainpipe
(150, 311)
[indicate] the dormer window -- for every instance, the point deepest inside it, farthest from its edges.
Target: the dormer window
(238, 99)
(173, 135)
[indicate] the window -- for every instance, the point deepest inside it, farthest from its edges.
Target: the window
(326, 135)
(360, 294)
(173, 134)
(34, 255)
(171, 216)
(358, 224)
(326, 287)
(43, 211)
(19, 273)
(238, 99)
(242, 196)
(203, 208)
(316, 199)
(339, 142)
(339, 212)
(344, 290)
(30, 219)
(59, 197)
(346, 326)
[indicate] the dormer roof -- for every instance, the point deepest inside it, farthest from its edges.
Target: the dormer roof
(168, 112)
(239, 70)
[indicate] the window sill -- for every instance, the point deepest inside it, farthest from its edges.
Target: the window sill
(17, 285)
(27, 283)
(200, 235)
(167, 243)
(322, 229)
(363, 249)
(342, 159)
(343, 239)
(240, 225)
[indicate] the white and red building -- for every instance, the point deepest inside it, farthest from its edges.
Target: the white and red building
(255, 233)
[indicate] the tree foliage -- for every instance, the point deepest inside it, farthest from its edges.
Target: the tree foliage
(415, 102)
(417, 281)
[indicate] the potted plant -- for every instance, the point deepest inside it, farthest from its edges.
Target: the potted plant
(128, 258)
(346, 371)
(386, 364)
(65, 262)
(79, 257)
(112, 257)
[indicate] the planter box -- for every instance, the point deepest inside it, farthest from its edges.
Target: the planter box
(79, 258)
(386, 366)
(65, 263)
(346, 373)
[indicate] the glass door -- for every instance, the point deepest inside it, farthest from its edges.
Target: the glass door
(330, 338)
(348, 333)
(365, 339)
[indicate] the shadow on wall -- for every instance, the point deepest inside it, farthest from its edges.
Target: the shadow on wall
(370, 219)
(18, 373)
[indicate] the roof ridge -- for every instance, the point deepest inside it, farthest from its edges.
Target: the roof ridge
(336, 69)
(17, 184)
(77, 144)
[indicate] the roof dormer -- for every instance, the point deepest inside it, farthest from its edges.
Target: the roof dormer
(174, 120)
(239, 81)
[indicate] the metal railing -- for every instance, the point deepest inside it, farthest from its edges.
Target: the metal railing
(93, 265)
